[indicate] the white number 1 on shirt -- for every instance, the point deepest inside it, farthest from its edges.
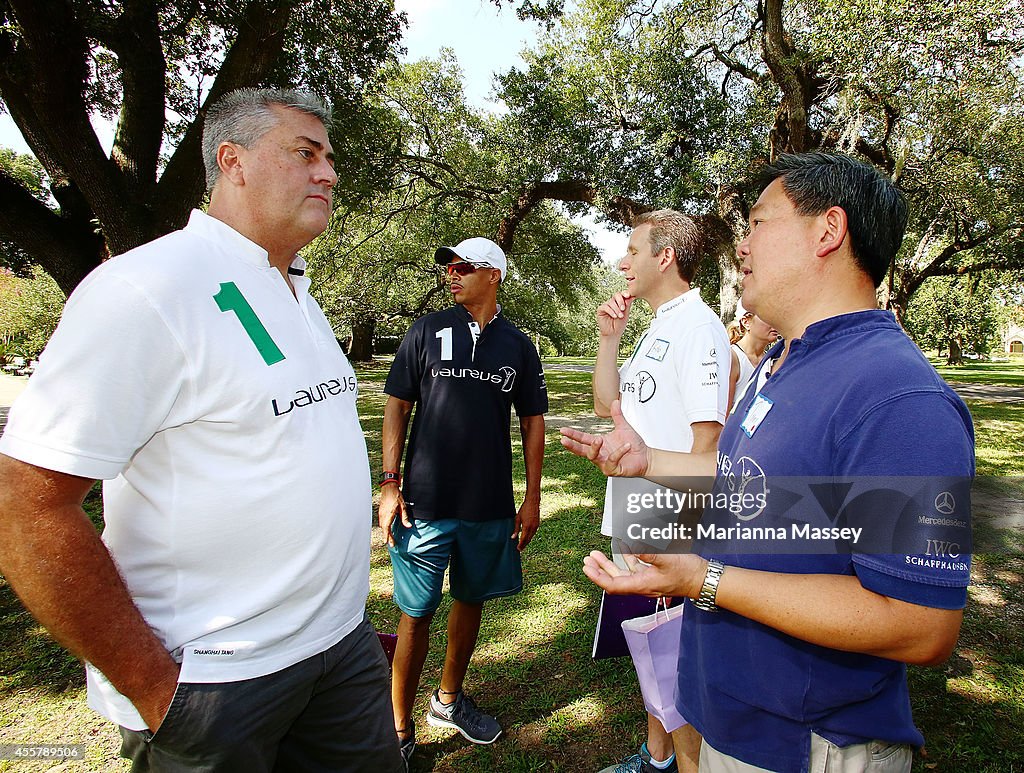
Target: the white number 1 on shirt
(446, 342)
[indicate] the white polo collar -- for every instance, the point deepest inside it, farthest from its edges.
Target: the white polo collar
(669, 306)
(204, 226)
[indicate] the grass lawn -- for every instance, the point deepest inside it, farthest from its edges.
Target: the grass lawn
(562, 711)
(1010, 373)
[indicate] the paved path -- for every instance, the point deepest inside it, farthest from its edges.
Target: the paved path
(10, 387)
(989, 393)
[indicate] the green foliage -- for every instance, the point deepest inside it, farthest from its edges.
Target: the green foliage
(30, 309)
(965, 313)
(448, 176)
(677, 104)
(580, 326)
(640, 108)
(152, 67)
(332, 47)
(607, 97)
(26, 170)
(29, 173)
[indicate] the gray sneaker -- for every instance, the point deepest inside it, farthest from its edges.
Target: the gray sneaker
(463, 715)
(640, 763)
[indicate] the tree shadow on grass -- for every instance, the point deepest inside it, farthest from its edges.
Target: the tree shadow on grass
(29, 658)
(966, 732)
(563, 711)
(533, 666)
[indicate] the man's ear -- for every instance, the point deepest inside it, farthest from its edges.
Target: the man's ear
(230, 163)
(666, 259)
(833, 231)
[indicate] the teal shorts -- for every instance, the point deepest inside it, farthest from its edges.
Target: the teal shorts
(485, 563)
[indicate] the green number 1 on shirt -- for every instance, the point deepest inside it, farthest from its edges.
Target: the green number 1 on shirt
(230, 298)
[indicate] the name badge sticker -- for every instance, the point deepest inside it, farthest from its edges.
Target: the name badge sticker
(658, 350)
(756, 414)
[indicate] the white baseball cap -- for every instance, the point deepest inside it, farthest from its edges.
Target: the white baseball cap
(481, 252)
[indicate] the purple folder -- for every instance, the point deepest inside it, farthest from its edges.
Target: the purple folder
(609, 641)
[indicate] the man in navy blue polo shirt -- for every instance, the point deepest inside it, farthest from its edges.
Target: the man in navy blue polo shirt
(463, 369)
(792, 658)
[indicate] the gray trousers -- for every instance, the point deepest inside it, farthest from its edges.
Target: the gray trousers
(329, 712)
(826, 757)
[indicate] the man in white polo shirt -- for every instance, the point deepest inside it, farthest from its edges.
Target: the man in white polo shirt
(222, 617)
(674, 389)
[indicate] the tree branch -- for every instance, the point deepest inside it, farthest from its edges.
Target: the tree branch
(796, 77)
(622, 209)
(532, 195)
(136, 151)
(43, 83)
(488, 192)
(65, 252)
(982, 265)
(249, 60)
(733, 65)
(939, 264)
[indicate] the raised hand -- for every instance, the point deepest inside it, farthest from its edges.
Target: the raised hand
(613, 314)
(619, 453)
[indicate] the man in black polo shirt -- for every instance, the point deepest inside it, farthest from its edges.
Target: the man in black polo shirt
(465, 367)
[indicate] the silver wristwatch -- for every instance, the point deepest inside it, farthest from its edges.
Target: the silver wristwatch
(709, 590)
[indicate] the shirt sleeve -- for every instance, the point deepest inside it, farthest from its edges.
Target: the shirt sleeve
(700, 377)
(406, 372)
(532, 396)
(111, 377)
(917, 452)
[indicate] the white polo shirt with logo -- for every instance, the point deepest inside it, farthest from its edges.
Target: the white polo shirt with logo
(677, 375)
(221, 414)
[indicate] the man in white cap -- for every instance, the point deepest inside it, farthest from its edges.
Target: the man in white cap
(464, 368)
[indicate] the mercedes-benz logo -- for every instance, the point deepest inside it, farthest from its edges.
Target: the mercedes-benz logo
(945, 503)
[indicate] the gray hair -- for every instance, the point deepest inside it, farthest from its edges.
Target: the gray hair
(244, 115)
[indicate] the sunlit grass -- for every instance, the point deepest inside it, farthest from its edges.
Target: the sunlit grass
(1009, 373)
(561, 710)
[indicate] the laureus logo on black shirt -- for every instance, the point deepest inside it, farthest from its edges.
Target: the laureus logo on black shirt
(316, 394)
(505, 377)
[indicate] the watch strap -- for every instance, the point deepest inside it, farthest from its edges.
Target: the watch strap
(709, 590)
